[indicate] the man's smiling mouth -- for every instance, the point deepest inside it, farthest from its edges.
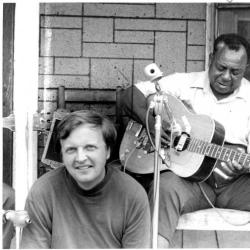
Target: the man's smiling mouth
(223, 85)
(83, 167)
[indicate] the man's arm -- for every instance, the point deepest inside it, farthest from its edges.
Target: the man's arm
(37, 234)
(248, 146)
(135, 106)
(138, 225)
(8, 204)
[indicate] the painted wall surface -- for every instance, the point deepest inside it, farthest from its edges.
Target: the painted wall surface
(105, 45)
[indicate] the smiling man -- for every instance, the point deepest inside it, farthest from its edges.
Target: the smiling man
(87, 203)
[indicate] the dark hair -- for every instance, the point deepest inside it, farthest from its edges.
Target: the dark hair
(78, 118)
(232, 41)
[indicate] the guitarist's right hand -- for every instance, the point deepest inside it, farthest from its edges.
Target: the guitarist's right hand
(165, 133)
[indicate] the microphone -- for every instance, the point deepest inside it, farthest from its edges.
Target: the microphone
(154, 74)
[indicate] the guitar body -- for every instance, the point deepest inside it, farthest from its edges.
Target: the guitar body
(186, 164)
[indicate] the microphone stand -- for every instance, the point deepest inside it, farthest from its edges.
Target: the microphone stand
(153, 72)
(158, 106)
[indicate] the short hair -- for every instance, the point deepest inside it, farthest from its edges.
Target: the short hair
(78, 118)
(232, 41)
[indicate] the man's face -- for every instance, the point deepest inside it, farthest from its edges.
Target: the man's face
(226, 70)
(84, 154)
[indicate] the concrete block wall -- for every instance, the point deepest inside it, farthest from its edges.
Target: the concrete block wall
(105, 45)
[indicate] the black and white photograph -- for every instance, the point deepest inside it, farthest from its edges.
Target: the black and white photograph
(126, 124)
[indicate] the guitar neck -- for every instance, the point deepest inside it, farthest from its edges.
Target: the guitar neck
(218, 152)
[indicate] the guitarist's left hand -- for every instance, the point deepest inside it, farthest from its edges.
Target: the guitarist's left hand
(233, 169)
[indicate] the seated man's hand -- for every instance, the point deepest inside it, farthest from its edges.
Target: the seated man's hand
(229, 170)
(233, 169)
(165, 138)
(165, 134)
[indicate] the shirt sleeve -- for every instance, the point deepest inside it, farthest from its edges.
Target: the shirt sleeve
(138, 227)
(248, 135)
(37, 234)
(135, 105)
(8, 204)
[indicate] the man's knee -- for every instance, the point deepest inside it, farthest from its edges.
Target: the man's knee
(169, 182)
(237, 204)
(170, 189)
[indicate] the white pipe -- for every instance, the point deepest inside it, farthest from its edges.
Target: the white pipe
(1, 100)
(210, 31)
(25, 97)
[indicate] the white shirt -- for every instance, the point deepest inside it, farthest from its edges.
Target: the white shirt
(233, 112)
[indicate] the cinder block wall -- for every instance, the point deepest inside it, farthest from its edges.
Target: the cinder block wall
(105, 45)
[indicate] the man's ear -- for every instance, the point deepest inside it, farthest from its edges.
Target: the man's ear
(211, 55)
(108, 153)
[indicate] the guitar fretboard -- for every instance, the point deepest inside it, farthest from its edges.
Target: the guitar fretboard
(218, 152)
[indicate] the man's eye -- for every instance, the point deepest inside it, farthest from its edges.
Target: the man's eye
(220, 68)
(90, 147)
(235, 73)
(70, 150)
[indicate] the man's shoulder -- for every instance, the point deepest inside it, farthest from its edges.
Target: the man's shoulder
(177, 79)
(125, 181)
(245, 89)
(246, 82)
(47, 180)
(187, 76)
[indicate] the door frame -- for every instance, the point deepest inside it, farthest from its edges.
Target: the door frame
(7, 88)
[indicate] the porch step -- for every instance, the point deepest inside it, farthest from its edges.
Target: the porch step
(215, 219)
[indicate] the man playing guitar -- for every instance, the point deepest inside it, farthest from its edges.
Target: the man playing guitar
(223, 94)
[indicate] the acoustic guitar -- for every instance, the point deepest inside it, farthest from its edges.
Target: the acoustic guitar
(195, 159)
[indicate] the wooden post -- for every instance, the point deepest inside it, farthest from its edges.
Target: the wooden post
(61, 98)
(25, 97)
(210, 31)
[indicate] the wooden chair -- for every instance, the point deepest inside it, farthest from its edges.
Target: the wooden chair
(95, 97)
(70, 100)
(88, 96)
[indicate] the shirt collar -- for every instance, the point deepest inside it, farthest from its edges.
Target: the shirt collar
(202, 82)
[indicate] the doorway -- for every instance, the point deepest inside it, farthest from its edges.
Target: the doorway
(234, 18)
